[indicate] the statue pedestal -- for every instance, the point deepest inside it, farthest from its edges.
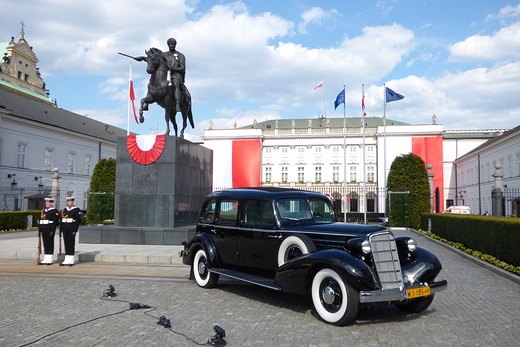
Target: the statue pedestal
(158, 198)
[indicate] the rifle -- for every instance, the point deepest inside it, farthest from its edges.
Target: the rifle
(39, 247)
(59, 254)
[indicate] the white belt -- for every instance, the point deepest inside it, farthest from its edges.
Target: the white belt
(45, 221)
(67, 220)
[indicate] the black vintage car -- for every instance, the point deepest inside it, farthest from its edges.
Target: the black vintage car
(289, 240)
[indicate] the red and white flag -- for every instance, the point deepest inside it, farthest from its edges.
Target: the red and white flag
(131, 94)
(363, 105)
(319, 85)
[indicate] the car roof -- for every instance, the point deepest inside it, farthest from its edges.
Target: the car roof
(265, 192)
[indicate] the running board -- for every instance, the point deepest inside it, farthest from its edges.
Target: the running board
(258, 280)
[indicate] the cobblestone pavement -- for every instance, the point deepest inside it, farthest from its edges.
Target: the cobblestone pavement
(61, 306)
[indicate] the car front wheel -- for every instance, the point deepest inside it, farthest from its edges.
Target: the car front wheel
(293, 247)
(203, 277)
(334, 300)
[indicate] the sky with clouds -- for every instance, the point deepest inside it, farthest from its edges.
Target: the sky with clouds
(247, 60)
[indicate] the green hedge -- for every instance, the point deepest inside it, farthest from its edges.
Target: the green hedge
(17, 220)
(496, 236)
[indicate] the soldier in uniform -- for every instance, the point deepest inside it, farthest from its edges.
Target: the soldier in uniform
(47, 224)
(70, 219)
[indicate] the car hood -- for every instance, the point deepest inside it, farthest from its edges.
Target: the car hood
(353, 230)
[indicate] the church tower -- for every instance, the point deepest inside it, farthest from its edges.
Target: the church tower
(18, 71)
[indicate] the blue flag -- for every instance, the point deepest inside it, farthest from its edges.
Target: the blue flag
(392, 96)
(340, 99)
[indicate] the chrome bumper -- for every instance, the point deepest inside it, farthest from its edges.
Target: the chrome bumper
(397, 294)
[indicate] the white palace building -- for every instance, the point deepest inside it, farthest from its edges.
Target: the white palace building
(350, 161)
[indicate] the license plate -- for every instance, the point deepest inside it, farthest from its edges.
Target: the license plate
(417, 292)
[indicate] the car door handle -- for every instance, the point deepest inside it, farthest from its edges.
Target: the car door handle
(275, 236)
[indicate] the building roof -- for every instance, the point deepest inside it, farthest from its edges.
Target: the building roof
(510, 133)
(19, 105)
(322, 123)
(29, 93)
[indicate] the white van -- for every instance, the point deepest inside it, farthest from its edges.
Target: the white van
(459, 209)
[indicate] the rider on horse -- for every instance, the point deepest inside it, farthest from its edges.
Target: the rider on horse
(176, 77)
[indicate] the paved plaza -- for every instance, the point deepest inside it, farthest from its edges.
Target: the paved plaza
(62, 306)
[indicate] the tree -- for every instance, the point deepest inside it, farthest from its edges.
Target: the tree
(101, 195)
(408, 173)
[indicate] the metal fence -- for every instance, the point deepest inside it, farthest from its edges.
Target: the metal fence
(23, 199)
(506, 202)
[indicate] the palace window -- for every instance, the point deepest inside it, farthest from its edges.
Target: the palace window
(20, 160)
(70, 165)
(285, 173)
(301, 174)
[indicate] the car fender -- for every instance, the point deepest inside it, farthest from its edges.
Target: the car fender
(295, 275)
(200, 241)
(423, 266)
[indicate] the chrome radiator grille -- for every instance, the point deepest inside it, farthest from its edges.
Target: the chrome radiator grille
(386, 260)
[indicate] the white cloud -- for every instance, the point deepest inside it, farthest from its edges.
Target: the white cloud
(503, 44)
(314, 15)
(115, 117)
(505, 12)
(464, 100)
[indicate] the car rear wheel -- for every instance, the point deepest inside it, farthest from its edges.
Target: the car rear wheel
(334, 300)
(293, 247)
(203, 277)
(416, 305)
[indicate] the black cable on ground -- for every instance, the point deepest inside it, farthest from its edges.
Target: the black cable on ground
(108, 295)
(166, 323)
(72, 326)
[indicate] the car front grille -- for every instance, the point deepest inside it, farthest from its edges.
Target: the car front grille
(386, 260)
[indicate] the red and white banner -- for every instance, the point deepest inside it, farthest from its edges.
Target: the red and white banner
(145, 149)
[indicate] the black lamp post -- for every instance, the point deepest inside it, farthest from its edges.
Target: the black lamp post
(40, 184)
(14, 185)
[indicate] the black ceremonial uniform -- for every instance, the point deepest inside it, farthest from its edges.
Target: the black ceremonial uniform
(47, 224)
(70, 220)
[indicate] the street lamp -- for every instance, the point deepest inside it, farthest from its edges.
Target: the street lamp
(40, 184)
(14, 185)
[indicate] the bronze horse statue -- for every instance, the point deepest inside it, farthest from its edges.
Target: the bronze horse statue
(160, 91)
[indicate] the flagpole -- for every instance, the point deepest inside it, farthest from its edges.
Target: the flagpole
(129, 103)
(364, 160)
(344, 158)
(322, 114)
(384, 131)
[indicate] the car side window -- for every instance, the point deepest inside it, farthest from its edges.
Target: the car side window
(259, 213)
(228, 212)
(208, 213)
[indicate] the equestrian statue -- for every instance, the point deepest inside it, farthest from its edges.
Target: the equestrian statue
(166, 86)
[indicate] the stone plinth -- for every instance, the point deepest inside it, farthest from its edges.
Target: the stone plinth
(167, 193)
(153, 201)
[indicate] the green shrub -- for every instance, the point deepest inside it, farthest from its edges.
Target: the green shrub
(101, 197)
(408, 173)
(17, 220)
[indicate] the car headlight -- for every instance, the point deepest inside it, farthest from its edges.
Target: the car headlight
(358, 246)
(412, 245)
(365, 247)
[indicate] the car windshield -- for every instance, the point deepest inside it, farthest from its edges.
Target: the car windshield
(300, 211)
